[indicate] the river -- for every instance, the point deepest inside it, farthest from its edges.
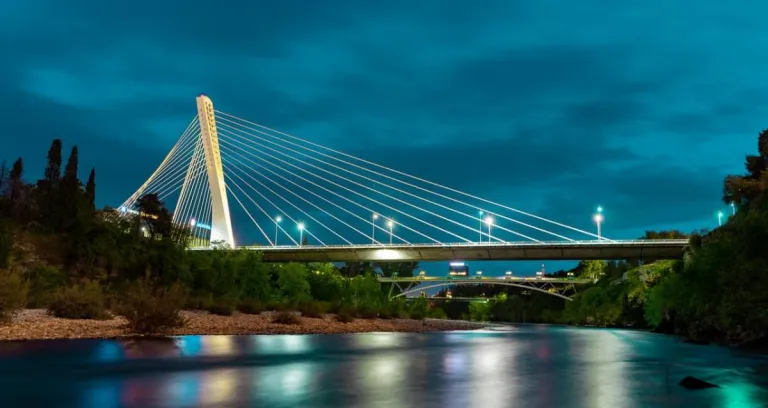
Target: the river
(519, 366)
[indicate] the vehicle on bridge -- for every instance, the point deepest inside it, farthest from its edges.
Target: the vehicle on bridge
(571, 276)
(458, 270)
(422, 275)
(508, 275)
(479, 275)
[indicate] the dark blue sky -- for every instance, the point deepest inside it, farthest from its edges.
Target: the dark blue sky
(548, 107)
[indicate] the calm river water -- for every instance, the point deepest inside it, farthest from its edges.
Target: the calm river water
(523, 366)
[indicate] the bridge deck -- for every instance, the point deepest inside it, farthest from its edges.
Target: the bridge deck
(484, 279)
(569, 250)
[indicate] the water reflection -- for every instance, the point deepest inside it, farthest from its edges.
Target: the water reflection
(523, 366)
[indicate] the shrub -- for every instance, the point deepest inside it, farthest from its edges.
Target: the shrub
(286, 318)
(151, 309)
(13, 294)
(80, 301)
(418, 309)
(367, 312)
(278, 306)
(222, 307)
(344, 316)
(43, 282)
(311, 309)
(437, 313)
(250, 307)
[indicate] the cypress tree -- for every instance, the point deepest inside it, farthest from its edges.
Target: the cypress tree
(90, 189)
(15, 179)
(3, 175)
(69, 193)
(48, 187)
(53, 169)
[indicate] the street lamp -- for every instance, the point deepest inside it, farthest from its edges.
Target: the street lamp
(390, 224)
(720, 218)
(733, 209)
(301, 233)
(489, 221)
(277, 221)
(480, 228)
(373, 227)
(599, 220)
(192, 222)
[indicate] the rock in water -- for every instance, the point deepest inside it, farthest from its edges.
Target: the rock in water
(693, 383)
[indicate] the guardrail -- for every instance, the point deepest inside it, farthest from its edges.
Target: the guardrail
(602, 242)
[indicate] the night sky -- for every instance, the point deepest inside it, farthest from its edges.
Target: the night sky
(550, 107)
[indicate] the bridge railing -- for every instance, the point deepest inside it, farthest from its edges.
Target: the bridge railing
(634, 242)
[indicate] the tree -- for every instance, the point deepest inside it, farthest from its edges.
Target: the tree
(90, 189)
(3, 175)
(153, 213)
(593, 269)
(292, 282)
(53, 168)
(49, 186)
(15, 182)
(69, 192)
(403, 269)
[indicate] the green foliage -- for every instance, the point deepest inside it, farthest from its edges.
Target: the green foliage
(311, 309)
(345, 316)
(84, 300)
(292, 282)
(150, 308)
(250, 306)
(13, 294)
(325, 282)
(418, 309)
(593, 269)
(286, 317)
(45, 280)
(6, 244)
(480, 311)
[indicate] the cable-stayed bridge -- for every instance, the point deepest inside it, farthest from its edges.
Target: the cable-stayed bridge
(308, 202)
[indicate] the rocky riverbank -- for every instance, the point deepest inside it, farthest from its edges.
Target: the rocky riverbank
(36, 324)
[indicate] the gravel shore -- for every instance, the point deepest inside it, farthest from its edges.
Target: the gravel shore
(36, 324)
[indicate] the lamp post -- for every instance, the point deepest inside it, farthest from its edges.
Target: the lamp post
(373, 228)
(599, 220)
(733, 209)
(719, 218)
(390, 224)
(301, 233)
(480, 228)
(489, 222)
(277, 221)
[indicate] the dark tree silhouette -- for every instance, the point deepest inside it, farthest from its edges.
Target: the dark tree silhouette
(15, 183)
(90, 189)
(155, 215)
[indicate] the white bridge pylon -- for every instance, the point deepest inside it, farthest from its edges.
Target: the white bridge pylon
(221, 225)
(304, 191)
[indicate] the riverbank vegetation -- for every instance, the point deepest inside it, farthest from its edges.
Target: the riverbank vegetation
(58, 252)
(718, 292)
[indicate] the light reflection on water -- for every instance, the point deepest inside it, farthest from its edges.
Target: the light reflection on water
(519, 366)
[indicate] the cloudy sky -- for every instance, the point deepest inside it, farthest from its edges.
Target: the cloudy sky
(642, 107)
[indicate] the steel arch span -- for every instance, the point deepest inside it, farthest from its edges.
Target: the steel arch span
(457, 283)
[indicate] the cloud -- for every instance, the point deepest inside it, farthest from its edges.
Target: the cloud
(552, 108)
